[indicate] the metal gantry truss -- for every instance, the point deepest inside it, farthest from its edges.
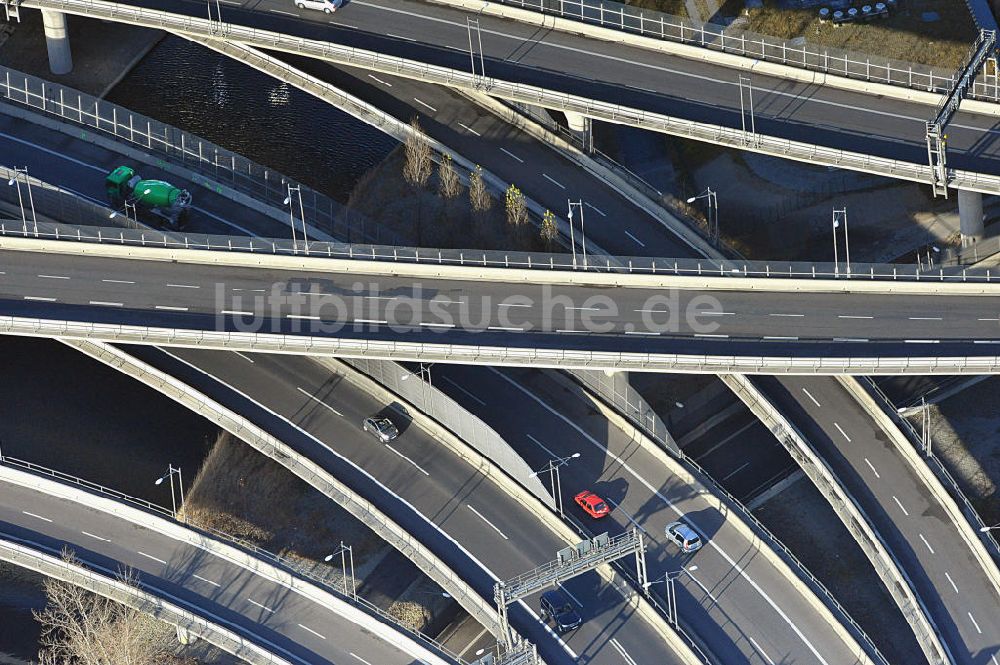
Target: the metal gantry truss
(570, 562)
(982, 52)
(12, 9)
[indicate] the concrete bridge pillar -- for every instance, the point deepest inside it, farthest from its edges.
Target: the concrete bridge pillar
(970, 216)
(57, 41)
(582, 126)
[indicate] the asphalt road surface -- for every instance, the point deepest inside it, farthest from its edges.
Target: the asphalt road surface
(279, 619)
(605, 71)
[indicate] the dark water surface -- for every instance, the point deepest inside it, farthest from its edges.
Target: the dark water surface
(241, 109)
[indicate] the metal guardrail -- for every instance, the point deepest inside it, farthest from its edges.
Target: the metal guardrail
(620, 395)
(734, 39)
(895, 579)
(335, 585)
(939, 469)
(213, 162)
(373, 61)
(32, 556)
(638, 265)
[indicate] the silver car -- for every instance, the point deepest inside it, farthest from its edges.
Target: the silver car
(684, 537)
(381, 428)
(328, 6)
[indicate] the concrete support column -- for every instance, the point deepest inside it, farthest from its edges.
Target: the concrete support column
(184, 636)
(970, 216)
(57, 41)
(582, 126)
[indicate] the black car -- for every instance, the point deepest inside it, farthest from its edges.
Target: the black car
(557, 607)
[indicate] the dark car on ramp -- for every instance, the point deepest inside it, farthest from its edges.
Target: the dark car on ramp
(556, 606)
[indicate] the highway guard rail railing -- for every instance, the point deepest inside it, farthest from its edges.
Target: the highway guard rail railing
(213, 162)
(637, 265)
(938, 468)
(107, 584)
(318, 573)
(622, 397)
(739, 41)
(372, 61)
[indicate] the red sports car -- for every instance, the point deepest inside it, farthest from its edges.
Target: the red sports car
(592, 504)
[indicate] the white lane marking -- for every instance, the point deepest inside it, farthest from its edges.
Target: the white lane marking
(703, 588)
(385, 83)
(998, 319)
(898, 503)
(809, 395)
(636, 240)
(789, 315)
(921, 341)
(423, 103)
(841, 430)
(206, 580)
(509, 153)
(926, 543)
(408, 39)
(617, 507)
(649, 487)
(184, 286)
(761, 651)
(505, 328)
(105, 303)
(710, 335)
(780, 337)
(302, 316)
(402, 456)
(570, 594)
(150, 556)
(436, 325)
(359, 658)
(278, 11)
(53, 277)
(263, 607)
(568, 330)
(872, 467)
(617, 645)
(515, 304)
(457, 386)
(699, 313)
(975, 623)
(953, 585)
(95, 537)
(37, 517)
(470, 129)
(235, 312)
(483, 518)
(850, 339)
(735, 471)
(640, 332)
(375, 321)
(40, 298)
(317, 400)
(555, 182)
(307, 628)
(595, 209)
(245, 357)
(542, 446)
(994, 659)
(926, 318)
(172, 308)
(118, 281)
(853, 316)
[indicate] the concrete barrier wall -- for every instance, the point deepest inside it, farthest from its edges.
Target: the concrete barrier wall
(105, 583)
(141, 518)
(240, 427)
(858, 525)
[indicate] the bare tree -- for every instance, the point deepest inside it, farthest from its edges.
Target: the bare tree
(83, 628)
(448, 183)
(549, 231)
(479, 197)
(419, 165)
(517, 207)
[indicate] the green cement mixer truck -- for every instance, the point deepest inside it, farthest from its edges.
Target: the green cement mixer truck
(168, 203)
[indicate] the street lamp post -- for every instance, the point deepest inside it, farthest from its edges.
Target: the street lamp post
(346, 553)
(670, 579)
(838, 215)
(583, 232)
(987, 529)
(171, 471)
(554, 481)
(291, 216)
(713, 213)
(16, 181)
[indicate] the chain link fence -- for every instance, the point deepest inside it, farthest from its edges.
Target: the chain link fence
(416, 387)
(216, 165)
(739, 41)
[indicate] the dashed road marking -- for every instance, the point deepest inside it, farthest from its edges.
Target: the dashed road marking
(40, 298)
(95, 537)
(926, 318)
(636, 240)
(385, 83)
(469, 394)
(509, 153)
(423, 103)
(37, 517)
(278, 11)
(235, 312)
(788, 315)
(853, 316)
(172, 308)
(483, 518)
(354, 655)
(469, 129)
(595, 209)
(841, 430)
(735, 471)
(761, 651)
(402, 456)
(617, 645)
(318, 400)
(975, 623)
(206, 580)
(926, 543)
(117, 281)
(814, 401)
(150, 556)
(184, 286)
(898, 503)
(53, 277)
(263, 607)
(105, 303)
(872, 467)
(307, 628)
(555, 182)
(952, 582)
